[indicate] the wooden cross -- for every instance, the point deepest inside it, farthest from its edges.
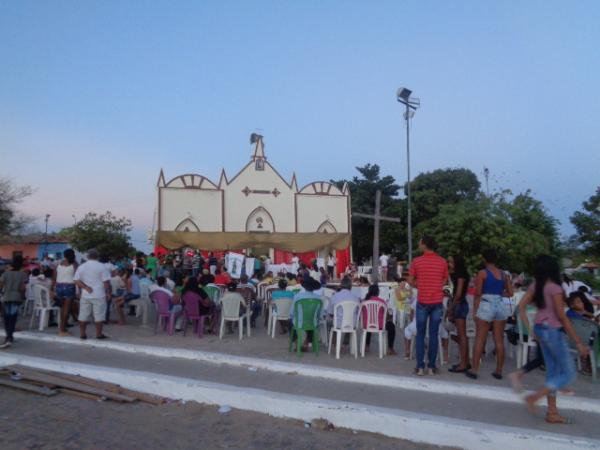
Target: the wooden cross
(377, 217)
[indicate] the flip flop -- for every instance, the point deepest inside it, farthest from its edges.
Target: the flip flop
(471, 375)
(497, 376)
(102, 336)
(558, 420)
(455, 369)
(83, 337)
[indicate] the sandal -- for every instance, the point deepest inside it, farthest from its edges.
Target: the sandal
(559, 420)
(83, 337)
(455, 369)
(102, 336)
(471, 375)
(497, 376)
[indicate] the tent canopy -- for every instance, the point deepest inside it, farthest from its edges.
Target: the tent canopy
(291, 242)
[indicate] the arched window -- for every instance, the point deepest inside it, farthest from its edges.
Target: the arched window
(260, 221)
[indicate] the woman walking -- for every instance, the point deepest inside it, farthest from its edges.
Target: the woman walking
(12, 282)
(458, 309)
(63, 289)
(491, 285)
(551, 323)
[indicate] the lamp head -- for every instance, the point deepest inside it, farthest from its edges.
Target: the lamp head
(403, 94)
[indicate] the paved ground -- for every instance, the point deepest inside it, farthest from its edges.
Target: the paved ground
(28, 421)
(447, 405)
(262, 346)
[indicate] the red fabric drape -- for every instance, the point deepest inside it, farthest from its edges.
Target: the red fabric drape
(343, 260)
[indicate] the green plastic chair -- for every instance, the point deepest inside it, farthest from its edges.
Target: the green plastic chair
(306, 318)
(213, 292)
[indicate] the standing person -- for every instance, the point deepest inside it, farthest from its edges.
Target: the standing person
(152, 266)
(94, 281)
(64, 289)
(295, 264)
(551, 323)
(196, 263)
(459, 308)
(12, 282)
(383, 266)
(322, 277)
(212, 263)
(331, 262)
(428, 273)
(491, 284)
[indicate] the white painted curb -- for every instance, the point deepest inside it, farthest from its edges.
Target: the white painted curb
(390, 422)
(469, 390)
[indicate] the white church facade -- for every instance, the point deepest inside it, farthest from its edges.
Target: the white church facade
(256, 208)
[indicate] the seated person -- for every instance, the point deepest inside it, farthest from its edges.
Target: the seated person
(387, 322)
(248, 291)
(206, 278)
(268, 277)
(222, 277)
(174, 304)
(344, 294)
(310, 285)
(576, 302)
(206, 307)
(291, 279)
(133, 288)
(230, 294)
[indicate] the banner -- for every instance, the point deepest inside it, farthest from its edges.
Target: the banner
(249, 267)
(235, 262)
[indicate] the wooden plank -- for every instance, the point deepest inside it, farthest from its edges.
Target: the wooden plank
(31, 374)
(147, 398)
(82, 394)
(28, 387)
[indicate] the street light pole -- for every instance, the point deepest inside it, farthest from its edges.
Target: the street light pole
(46, 235)
(411, 104)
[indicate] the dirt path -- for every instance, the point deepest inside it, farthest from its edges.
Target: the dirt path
(28, 421)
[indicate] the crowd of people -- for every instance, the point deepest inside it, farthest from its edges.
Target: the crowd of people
(435, 289)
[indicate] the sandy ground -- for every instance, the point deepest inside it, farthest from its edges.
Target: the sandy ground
(29, 421)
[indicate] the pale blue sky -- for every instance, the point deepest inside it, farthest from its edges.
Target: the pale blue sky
(96, 97)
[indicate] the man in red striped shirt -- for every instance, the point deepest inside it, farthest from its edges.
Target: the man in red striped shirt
(428, 273)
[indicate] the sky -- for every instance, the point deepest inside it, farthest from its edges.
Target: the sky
(97, 96)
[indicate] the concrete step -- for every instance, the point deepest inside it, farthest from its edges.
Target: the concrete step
(491, 422)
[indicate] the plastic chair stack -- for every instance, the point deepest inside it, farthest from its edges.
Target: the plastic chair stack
(345, 321)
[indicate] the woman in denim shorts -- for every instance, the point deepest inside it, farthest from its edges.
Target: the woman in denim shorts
(64, 290)
(490, 311)
(459, 308)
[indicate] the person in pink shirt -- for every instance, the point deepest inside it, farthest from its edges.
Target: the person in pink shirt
(551, 329)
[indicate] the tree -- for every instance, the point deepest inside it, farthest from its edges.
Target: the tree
(10, 196)
(362, 191)
(519, 229)
(587, 224)
(431, 190)
(106, 233)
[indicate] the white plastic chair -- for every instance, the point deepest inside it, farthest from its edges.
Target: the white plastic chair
(373, 310)
(42, 306)
(230, 312)
(29, 300)
(524, 346)
(280, 310)
(142, 304)
(347, 312)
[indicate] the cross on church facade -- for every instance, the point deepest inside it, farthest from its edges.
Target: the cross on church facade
(377, 217)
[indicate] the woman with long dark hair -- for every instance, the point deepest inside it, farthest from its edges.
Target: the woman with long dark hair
(63, 288)
(551, 323)
(387, 322)
(459, 308)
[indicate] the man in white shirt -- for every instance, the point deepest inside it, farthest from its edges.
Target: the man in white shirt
(383, 265)
(93, 279)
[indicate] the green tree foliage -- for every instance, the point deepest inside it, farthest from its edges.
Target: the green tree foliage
(10, 196)
(587, 224)
(518, 233)
(106, 233)
(449, 204)
(362, 190)
(431, 190)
